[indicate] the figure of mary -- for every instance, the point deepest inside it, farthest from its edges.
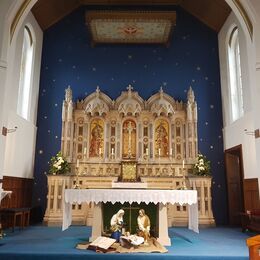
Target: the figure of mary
(116, 224)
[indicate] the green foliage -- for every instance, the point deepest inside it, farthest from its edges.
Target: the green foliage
(58, 165)
(202, 166)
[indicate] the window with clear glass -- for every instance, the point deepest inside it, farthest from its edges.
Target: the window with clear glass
(235, 79)
(25, 74)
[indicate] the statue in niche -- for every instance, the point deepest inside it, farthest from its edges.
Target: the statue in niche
(129, 139)
(96, 139)
(161, 139)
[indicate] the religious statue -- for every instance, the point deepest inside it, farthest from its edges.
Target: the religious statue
(116, 224)
(129, 139)
(161, 139)
(144, 225)
(96, 140)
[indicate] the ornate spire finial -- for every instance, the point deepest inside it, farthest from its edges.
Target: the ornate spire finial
(161, 89)
(129, 88)
(97, 91)
(190, 95)
(161, 92)
(68, 94)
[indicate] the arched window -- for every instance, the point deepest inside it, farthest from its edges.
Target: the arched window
(235, 80)
(25, 74)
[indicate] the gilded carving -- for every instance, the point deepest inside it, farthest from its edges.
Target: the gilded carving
(129, 139)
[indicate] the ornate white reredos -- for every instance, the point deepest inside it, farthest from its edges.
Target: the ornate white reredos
(154, 140)
(157, 130)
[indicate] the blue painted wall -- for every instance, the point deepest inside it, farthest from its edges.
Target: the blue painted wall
(191, 60)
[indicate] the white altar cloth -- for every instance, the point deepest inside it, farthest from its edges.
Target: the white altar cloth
(117, 195)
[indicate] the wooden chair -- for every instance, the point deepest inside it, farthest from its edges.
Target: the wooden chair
(251, 220)
(253, 244)
(15, 217)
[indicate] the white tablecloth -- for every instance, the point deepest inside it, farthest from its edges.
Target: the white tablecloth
(113, 195)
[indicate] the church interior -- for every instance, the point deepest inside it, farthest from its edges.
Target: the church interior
(130, 120)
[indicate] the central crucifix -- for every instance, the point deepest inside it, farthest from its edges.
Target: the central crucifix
(129, 130)
(129, 139)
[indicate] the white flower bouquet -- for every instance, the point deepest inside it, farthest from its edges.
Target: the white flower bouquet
(58, 165)
(202, 166)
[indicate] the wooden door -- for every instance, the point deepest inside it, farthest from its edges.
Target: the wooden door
(234, 185)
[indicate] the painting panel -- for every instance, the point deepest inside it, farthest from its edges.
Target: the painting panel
(161, 136)
(96, 148)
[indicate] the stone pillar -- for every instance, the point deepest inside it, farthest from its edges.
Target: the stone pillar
(162, 224)
(3, 121)
(97, 224)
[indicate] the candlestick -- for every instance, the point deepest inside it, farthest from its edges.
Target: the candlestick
(77, 163)
(85, 150)
(77, 185)
(182, 164)
(112, 151)
(159, 151)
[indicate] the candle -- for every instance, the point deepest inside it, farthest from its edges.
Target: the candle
(77, 163)
(100, 151)
(171, 151)
(146, 151)
(112, 151)
(183, 163)
(159, 151)
(85, 150)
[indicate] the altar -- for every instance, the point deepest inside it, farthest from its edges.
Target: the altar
(129, 142)
(160, 197)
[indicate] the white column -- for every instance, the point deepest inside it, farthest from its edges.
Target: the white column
(3, 121)
(97, 223)
(162, 223)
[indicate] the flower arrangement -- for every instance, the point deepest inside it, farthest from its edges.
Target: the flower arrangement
(58, 164)
(202, 166)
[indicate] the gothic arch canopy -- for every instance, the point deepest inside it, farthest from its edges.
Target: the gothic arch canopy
(129, 103)
(97, 103)
(161, 104)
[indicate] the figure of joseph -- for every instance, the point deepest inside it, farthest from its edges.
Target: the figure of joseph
(144, 225)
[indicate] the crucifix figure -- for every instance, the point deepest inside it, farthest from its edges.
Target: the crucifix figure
(129, 129)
